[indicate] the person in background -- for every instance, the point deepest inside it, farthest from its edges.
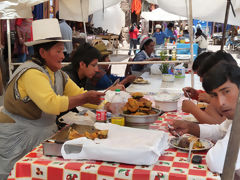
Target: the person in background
(103, 78)
(24, 34)
(222, 83)
(199, 26)
(84, 65)
(169, 32)
(66, 31)
(133, 33)
(159, 35)
(201, 39)
(145, 54)
(37, 92)
(186, 33)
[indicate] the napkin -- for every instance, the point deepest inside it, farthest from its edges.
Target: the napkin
(123, 145)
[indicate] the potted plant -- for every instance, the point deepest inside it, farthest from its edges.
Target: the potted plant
(167, 70)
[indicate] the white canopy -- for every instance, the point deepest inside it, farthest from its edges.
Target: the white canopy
(207, 10)
(78, 10)
(12, 9)
(113, 19)
(161, 15)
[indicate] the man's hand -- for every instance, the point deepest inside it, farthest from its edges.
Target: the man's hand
(188, 106)
(191, 92)
(183, 127)
(118, 86)
(128, 79)
(93, 97)
(204, 97)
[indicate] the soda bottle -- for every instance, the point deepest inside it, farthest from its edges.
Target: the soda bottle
(101, 113)
(117, 105)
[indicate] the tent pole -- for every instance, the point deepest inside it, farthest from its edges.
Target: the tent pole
(233, 147)
(225, 23)
(10, 68)
(190, 27)
(85, 30)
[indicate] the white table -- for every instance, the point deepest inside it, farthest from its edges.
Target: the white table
(156, 84)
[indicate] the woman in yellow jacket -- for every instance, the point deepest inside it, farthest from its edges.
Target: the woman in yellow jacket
(36, 93)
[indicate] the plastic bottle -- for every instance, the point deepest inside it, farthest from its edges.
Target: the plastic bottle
(117, 105)
(174, 54)
(101, 113)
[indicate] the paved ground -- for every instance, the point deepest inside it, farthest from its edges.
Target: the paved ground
(123, 56)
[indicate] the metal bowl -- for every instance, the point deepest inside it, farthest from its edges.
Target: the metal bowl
(141, 121)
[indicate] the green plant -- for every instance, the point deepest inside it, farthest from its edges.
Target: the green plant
(166, 68)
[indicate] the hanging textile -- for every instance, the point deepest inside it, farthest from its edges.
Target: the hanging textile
(136, 6)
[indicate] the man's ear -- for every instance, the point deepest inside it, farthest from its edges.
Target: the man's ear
(82, 64)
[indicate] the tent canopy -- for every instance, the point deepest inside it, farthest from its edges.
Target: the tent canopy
(206, 10)
(113, 19)
(161, 15)
(78, 10)
(12, 9)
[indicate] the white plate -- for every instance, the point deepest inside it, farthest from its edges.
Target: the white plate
(141, 82)
(206, 143)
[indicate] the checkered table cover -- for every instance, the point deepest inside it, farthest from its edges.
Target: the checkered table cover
(171, 165)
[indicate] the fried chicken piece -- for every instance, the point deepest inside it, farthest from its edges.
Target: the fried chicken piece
(102, 134)
(145, 110)
(146, 102)
(137, 95)
(132, 105)
(140, 113)
(73, 134)
(152, 112)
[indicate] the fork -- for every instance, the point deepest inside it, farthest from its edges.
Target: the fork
(190, 150)
(171, 127)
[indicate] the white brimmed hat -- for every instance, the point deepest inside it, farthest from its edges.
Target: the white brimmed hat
(144, 39)
(45, 30)
(158, 26)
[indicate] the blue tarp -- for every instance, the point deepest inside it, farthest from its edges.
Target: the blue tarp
(187, 51)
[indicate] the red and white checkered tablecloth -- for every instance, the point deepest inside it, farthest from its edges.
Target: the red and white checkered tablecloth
(171, 165)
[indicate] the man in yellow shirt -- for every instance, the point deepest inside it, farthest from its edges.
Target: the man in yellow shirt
(36, 93)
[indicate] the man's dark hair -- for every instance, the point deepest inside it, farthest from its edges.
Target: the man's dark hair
(85, 53)
(200, 59)
(219, 74)
(46, 46)
(215, 58)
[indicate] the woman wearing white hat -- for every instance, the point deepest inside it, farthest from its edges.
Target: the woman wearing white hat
(159, 35)
(145, 54)
(36, 93)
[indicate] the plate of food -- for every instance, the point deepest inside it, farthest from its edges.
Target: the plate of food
(183, 143)
(140, 80)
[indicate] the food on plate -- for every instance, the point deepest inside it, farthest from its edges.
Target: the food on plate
(185, 142)
(137, 105)
(137, 95)
(140, 80)
(101, 134)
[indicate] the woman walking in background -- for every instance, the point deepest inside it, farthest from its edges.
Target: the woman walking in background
(133, 33)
